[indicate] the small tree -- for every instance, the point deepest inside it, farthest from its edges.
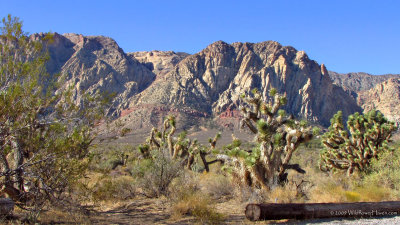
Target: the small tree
(44, 137)
(277, 137)
(367, 136)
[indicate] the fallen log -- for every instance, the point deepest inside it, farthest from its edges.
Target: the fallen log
(274, 211)
(6, 206)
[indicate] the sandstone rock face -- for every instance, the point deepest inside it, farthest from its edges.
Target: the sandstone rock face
(212, 80)
(384, 97)
(151, 85)
(353, 83)
(96, 64)
(159, 62)
(380, 92)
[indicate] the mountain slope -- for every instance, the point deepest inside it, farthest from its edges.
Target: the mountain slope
(384, 97)
(150, 85)
(159, 62)
(96, 64)
(212, 80)
(354, 83)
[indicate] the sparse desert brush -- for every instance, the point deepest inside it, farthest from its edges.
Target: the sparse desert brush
(197, 204)
(55, 216)
(373, 193)
(327, 191)
(106, 157)
(217, 186)
(284, 194)
(385, 172)
(352, 196)
(108, 188)
(159, 174)
(138, 168)
(187, 183)
(187, 198)
(329, 187)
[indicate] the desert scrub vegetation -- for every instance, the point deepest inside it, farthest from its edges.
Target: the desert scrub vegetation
(45, 137)
(158, 174)
(107, 157)
(191, 195)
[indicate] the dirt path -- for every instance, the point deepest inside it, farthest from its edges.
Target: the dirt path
(154, 211)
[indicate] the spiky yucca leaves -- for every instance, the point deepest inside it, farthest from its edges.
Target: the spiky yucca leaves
(369, 135)
(180, 147)
(277, 137)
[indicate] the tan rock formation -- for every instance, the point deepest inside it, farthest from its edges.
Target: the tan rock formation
(212, 80)
(160, 62)
(384, 97)
(149, 85)
(98, 65)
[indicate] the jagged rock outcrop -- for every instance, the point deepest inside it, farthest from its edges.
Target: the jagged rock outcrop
(380, 92)
(97, 64)
(159, 62)
(384, 97)
(150, 85)
(353, 83)
(212, 80)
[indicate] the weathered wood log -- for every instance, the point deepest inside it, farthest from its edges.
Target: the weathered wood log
(275, 211)
(6, 206)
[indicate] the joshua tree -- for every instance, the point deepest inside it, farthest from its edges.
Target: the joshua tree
(179, 148)
(369, 135)
(277, 136)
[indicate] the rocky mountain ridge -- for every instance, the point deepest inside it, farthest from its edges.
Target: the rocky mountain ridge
(212, 80)
(96, 64)
(354, 83)
(205, 85)
(380, 92)
(384, 97)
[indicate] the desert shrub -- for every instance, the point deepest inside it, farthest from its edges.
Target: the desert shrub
(384, 172)
(373, 193)
(108, 157)
(107, 188)
(125, 131)
(140, 167)
(45, 135)
(285, 194)
(188, 199)
(352, 196)
(328, 190)
(196, 204)
(158, 174)
(217, 186)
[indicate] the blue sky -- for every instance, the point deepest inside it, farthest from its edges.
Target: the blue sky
(347, 36)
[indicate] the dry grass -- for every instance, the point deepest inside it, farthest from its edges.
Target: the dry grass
(63, 216)
(374, 193)
(196, 204)
(217, 186)
(285, 194)
(188, 198)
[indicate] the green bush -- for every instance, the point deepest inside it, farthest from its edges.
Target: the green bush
(107, 188)
(158, 174)
(385, 171)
